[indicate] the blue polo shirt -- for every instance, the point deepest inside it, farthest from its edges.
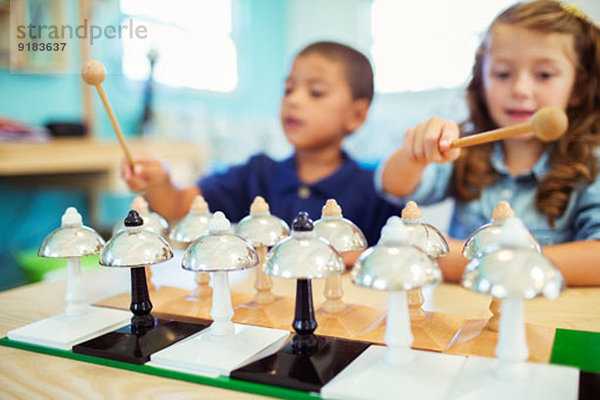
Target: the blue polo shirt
(277, 181)
(580, 221)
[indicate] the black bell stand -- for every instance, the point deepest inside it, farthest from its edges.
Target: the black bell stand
(140, 302)
(309, 361)
(304, 342)
(144, 336)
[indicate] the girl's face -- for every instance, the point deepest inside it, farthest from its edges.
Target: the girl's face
(524, 70)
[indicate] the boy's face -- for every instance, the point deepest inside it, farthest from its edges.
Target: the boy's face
(317, 109)
(525, 70)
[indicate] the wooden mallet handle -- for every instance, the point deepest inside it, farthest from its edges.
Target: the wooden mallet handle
(93, 73)
(548, 124)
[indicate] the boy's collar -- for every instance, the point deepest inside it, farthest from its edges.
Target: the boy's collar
(289, 182)
(539, 169)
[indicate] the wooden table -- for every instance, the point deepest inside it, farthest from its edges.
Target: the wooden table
(91, 165)
(27, 375)
(31, 375)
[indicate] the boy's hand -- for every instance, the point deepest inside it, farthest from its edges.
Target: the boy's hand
(148, 172)
(430, 141)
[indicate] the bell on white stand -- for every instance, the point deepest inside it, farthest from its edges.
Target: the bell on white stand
(487, 238)
(344, 236)
(191, 227)
(431, 241)
(80, 321)
(263, 230)
(152, 222)
(339, 318)
(224, 346)
(394, 265)
(431, 330)
(512, 273)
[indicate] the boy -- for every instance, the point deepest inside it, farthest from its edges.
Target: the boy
(327, 97)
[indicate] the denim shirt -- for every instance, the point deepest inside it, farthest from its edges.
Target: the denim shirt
(580, 221)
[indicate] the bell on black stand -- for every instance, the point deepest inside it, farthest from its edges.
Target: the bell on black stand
(137, 248)
(308, 361)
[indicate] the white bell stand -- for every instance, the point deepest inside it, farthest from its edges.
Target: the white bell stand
(396, 370)
(222, 347)
(509, 376)
(79, 322)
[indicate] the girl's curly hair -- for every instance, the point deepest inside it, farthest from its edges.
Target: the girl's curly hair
(572, 159)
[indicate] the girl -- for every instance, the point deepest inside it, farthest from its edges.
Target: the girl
(535, 54)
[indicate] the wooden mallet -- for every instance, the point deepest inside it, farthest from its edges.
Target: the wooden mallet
(548, 124)
(93, 73)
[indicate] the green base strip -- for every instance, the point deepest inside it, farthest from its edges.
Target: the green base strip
(222, 381)
(579, 349)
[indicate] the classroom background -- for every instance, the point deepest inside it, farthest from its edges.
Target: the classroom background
(214, 93)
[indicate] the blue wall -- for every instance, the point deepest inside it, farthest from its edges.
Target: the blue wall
(259, 33)
(36, 98)
(27, 215)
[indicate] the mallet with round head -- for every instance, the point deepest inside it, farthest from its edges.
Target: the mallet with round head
(93, 73)
(548, 124)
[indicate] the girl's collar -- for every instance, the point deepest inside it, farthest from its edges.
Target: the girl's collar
(539, 169)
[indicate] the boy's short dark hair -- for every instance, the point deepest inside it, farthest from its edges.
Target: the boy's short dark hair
(359, 73)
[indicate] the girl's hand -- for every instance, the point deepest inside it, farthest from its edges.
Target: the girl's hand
(148, 171)
(430, 141)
